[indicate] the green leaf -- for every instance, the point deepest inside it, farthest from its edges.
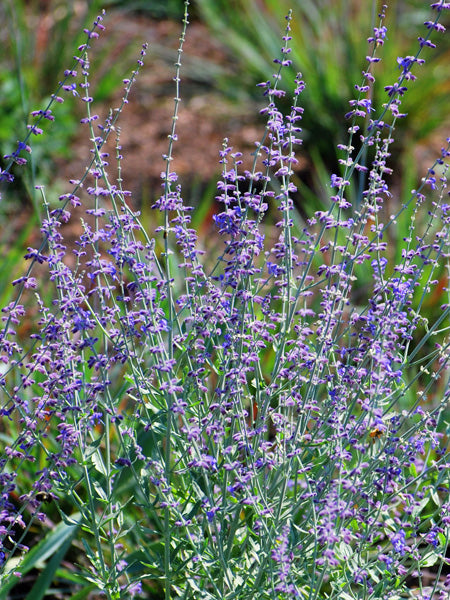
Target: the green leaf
(100, 491)
(46, 548)
(45, 579)
(430, 560)
(97, 461)
(435, 498)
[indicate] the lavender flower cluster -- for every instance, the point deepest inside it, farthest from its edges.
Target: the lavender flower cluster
(268, 425)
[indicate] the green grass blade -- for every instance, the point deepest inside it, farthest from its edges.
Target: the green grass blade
(41, 552)
(45, 579)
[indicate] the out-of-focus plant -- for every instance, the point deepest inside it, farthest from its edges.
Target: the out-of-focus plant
(160, 9)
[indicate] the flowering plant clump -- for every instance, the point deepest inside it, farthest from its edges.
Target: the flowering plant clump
(269, 424)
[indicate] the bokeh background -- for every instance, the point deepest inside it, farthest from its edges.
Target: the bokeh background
(230, 47)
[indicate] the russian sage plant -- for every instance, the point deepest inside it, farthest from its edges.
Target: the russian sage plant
(268, 423)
